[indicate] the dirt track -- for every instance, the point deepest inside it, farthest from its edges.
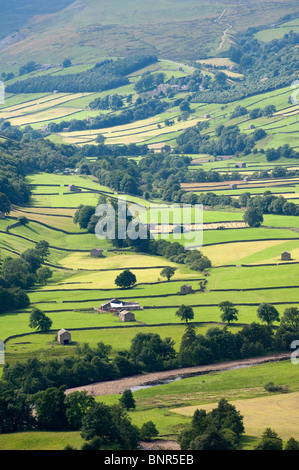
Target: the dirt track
(120, 385)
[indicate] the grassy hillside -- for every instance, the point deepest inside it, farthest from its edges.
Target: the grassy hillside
(168, 28)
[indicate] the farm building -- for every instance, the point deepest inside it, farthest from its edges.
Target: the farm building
(125, 315)
(2, 215)
(223, 157)
(286, 255)
(115, 304)
(164, 86)
(96, 253)
(207, 116)
(186, 289)
(64, 337)
(240, 165)
(73, 187)
(232, 186)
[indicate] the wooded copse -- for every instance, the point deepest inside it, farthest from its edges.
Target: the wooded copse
(105, 75)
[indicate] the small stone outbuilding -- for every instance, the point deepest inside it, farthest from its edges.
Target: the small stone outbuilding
(73, 187)
(64, 337)
(96, 253)
(286, 256)
(186, 289)
(125, 316)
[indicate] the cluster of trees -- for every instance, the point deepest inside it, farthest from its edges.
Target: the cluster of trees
(104, 76)
(210, 176)
(100, 425)
(219, 429)
(252, 340)
(266, 66)
(176, 253)
(29, 67)
(13, 188)
(285, 151)
(142, 108)
(21, 273)
(12, 298)
(7, 76)
(270, 440)
(256, 206)
(40, 154)
(266, 312)
(113, 102)
(268, 203)
(230, 141)
(255, 113)
(105, 151)
(277, 172)
(149, 81)
(222, 429)
(119, 173)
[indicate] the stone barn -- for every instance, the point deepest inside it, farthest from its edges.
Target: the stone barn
(125, 315)
(73, 187)
(119, 305)
(96, 253)
(186, 289)
(286, 255)
(232, 186)
(64, 337)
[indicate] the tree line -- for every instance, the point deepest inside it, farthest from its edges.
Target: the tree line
(229, 141)
(18, 274)
(143, 108)
(266, 203)
(103, 76)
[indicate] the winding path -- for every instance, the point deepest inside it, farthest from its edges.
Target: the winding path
(223, 39)
(120, 385)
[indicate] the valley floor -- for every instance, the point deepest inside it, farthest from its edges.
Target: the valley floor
(119, 386)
